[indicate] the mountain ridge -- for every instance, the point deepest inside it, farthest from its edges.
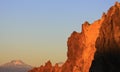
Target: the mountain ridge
(15, 66)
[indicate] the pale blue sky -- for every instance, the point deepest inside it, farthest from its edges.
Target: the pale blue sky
(37, 30)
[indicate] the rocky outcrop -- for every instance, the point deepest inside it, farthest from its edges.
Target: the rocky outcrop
(107, 56)
(95, 49)
(81, 48)
(99, 41)
(109, 37)
(47, 68)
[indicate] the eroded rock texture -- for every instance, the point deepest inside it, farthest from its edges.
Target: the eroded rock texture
(47, 68)
(81, 48)
(95, 49)
(107, 56)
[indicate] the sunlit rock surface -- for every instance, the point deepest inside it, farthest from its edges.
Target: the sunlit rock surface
(47, 68)
(95, 49)
(107, 56)
(81, 48)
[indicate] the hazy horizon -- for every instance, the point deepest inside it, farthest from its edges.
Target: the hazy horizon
(37, 31)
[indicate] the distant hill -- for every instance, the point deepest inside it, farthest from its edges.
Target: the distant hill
(15, 66)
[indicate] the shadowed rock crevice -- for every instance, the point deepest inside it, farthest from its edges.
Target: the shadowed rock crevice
(106, 62)
(95, 49)
(107, 55)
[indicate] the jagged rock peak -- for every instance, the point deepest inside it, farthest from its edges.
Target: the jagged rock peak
(101, 35)
(107, 55)
(48, 64)
(117, 4)
(81, 46)
(47, 68)
(109, 36)
(114, 9)
(85, 26)
(103, 15)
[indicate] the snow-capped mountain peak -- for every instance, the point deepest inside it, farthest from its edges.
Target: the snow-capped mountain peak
(17, 62)
(15, 66)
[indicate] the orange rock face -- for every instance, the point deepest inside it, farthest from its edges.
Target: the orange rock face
(81, 48)
(86, 48)
(109, 36)
(107, 55)
(99, 40)
(47, 68)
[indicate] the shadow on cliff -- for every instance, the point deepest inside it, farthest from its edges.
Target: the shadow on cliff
(107, 55)
(106, 62)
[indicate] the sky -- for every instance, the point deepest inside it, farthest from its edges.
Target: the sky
(36, 31)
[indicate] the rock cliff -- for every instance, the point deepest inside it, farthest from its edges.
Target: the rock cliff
(81, 48)
(99, 41)
(95, 49)
(107, 55)
(47, 68)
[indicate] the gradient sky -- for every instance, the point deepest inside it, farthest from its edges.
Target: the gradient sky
(37, 30)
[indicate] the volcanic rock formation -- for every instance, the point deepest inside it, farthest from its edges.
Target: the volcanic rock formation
(81, 48)
(101, 38)
(107, 56)
(95, 49)
(47, 68)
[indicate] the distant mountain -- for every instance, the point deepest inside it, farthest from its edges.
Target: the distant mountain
(15, 66)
